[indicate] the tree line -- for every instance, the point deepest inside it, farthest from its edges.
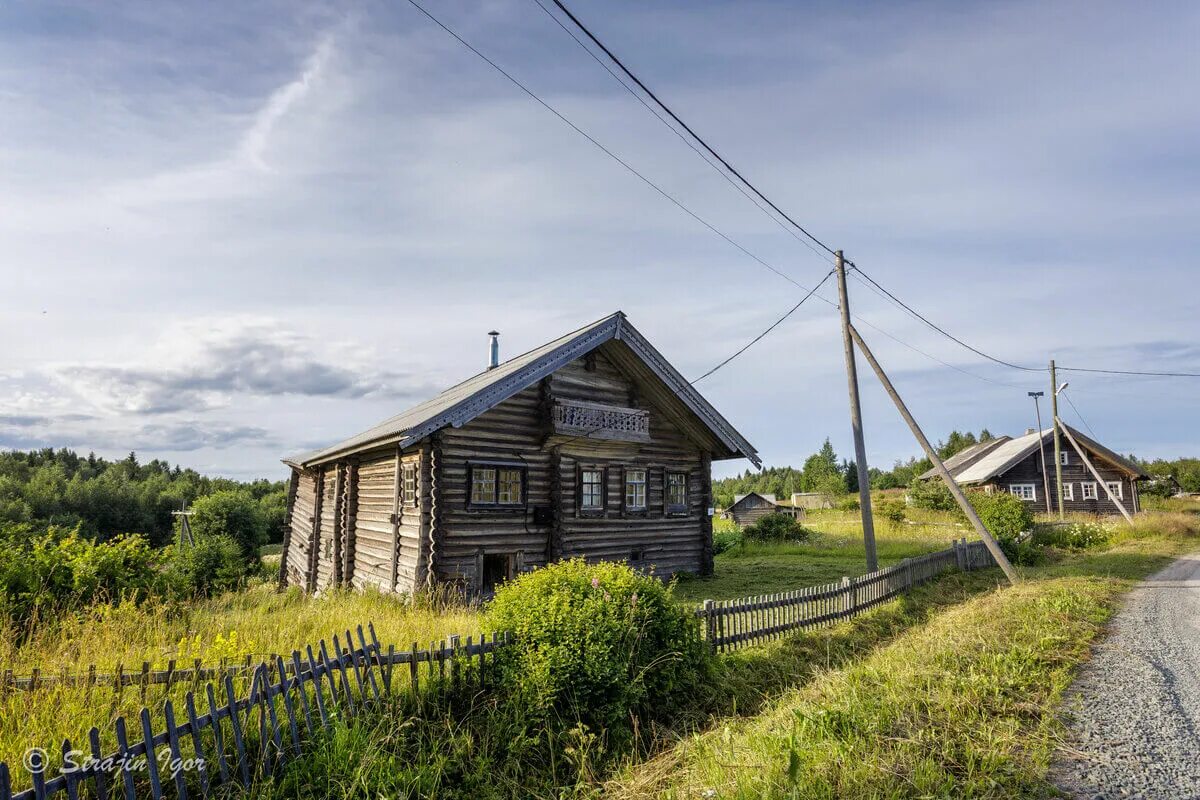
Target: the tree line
(823, 472)
(103, 499)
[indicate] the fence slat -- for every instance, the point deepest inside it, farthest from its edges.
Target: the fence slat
(123, 757)
(197, 743)
(99, 775)
(151, 761)
(372, 681)
(284, 691)
(218, 734)
(302, 692)
(176, 755)
(236, 724)
(316, 682)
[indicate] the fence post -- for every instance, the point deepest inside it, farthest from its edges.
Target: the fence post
(908, 579)
(710, 625)
(847, 597)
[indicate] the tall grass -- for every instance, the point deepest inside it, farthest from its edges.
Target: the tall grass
(257, 622)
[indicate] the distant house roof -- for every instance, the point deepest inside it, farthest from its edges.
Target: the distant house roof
(738, 498)
(460, 404)
(964, 458)
(1000, 459)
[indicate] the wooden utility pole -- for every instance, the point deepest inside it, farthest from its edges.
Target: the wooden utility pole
(1062, 512)
(860, 448)
(955, 490)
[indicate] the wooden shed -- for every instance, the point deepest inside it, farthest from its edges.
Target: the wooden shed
(592, 445)
(748, 509)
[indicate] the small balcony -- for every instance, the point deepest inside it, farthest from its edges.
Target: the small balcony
(581, 419)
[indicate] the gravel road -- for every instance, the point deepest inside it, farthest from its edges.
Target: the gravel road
(1135, 730)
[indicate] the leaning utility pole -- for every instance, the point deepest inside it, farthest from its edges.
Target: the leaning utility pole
(860, 448)
(951, 484)
(1062, 512)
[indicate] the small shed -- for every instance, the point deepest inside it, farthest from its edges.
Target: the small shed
(811, 500)
(748, 509)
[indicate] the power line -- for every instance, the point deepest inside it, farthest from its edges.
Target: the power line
(688, 128)
(666, 124)
(601, 147)
(941, 330)
(1076, 410)
(1132, 372)
(772, 327)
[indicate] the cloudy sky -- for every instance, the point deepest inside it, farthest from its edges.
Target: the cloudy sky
(229, 232)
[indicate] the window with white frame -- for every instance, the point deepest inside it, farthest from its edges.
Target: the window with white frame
(1068, 491)
(635, 490)
(1115, 488)
(1089, 491)
(1064, 458)
(591, 490)
(408, 482)
(1025, 491)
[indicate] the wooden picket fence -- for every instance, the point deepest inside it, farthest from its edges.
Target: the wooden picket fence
(292, 699)
(730, 624)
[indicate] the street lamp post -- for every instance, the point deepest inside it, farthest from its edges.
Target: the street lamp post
(1042, 448)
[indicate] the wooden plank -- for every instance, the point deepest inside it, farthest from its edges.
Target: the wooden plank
(197, 743)
(99, 774)
(176, 754)
(236, 724)
(285, 691)
(218, 734)
(316, 682)
(123, 756)
(366, 650)
(151, 761)
(72, 777)
(303, 692)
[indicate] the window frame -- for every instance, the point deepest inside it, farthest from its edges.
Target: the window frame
(497, 467)
(1068, 492)
(591, 511)
(1095, 487)
(408, 472)
(1119, 491)
(676, 509)
(1064, 458)
(645, 483)
(1032, 487)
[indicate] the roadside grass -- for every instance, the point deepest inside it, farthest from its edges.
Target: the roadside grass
(965, 705)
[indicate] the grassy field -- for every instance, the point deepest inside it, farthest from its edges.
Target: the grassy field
(963, 705)
(761, 686)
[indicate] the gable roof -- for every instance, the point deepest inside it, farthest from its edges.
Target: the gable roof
(964, 458)
(770, 498)
(1010, 452)
(465, 401)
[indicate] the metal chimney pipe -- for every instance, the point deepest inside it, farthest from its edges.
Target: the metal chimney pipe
(494, 350)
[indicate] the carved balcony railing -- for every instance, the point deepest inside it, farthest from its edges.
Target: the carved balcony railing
(600, 421)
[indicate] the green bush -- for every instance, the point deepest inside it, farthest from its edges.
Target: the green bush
(726, 538)
(597, 644)
(232, 513)
(891, 509)
(777, 528)
(1004, 514)
(932, 495)
(214, 565)
(848, 503)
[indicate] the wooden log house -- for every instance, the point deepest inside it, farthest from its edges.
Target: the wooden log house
(1014, 465)
(592, 445)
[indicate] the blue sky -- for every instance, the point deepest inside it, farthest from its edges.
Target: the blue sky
(230, 232)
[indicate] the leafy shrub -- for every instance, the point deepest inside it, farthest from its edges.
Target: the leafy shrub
(726, 538)
(214, 565)
(1076, 536)
(1004, 514)
(848, 503)
(232, 513)
(777, 528)
(931, 495)
(596, 644)
(891, 509)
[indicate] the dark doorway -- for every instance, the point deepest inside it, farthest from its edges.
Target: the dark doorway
(497, 568)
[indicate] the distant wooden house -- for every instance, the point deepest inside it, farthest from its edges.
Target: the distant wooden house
(811, 500)
(1014, 465)
(748, 509)
(592, 445)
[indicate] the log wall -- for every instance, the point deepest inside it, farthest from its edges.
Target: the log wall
(300, 529)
